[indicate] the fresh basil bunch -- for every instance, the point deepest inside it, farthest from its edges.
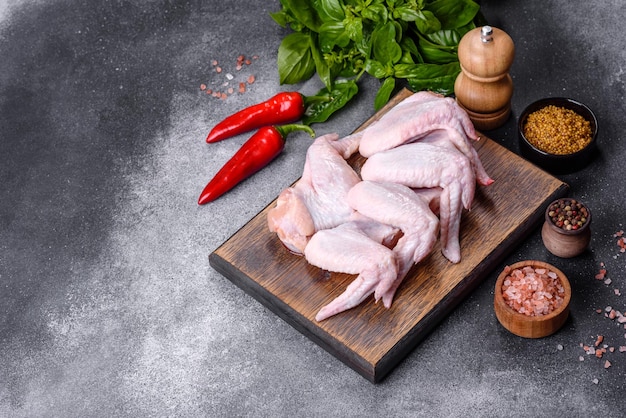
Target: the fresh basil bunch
(340, 40)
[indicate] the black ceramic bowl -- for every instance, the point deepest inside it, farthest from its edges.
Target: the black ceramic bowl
(554, 163)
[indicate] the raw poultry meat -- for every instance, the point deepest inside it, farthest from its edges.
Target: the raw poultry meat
(413, 118)
(354, 247)
(318, 200)
(422, 164)
(408, 210)
(441, 138)
(348, 248)
(424, 116)
(420, 174)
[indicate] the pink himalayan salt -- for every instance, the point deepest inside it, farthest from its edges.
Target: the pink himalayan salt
(533, 292)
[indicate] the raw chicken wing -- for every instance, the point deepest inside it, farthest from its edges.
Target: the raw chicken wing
(413, 118)
(425, 116)
(354, 248)
(419, 165)
(406, 209)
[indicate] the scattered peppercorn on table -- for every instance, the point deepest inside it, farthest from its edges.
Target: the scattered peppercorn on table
(110, 305)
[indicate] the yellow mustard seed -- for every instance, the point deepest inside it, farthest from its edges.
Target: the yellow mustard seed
(557, 130)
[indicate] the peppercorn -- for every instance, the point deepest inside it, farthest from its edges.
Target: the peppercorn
(568, 214)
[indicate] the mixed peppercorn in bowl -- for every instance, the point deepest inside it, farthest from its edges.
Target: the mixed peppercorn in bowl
(558, 134)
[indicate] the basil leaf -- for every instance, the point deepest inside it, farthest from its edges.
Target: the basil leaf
(354, 28)
(438, 78)
(384, 93)
(427, 22)
(327, 101)
(295, 60)
(424, 71)
(376, 13)
(448, 37)
(322, 68)
(408, 46)
(385, 47)
(282, 18)
(331, 34)
(406, 13)
(330, 10)
(304, 12)
(437, 54)
(376, 69)
(454, 13)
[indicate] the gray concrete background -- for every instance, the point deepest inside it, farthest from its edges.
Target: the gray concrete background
(108, 305)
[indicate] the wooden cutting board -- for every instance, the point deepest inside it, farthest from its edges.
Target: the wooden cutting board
(370, 339)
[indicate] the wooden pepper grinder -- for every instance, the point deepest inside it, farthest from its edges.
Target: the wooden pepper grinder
(484, 87)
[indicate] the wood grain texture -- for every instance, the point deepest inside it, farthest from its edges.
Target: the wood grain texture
(369, 338)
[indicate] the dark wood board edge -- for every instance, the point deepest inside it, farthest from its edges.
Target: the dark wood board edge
(461, 291)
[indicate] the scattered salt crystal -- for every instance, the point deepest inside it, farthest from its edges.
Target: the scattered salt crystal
(581, 358)
(595, 381)
(621, 319)
(608, 309)
(599, 340)
(607, 282)
(229, 76)
(559, 347)
(607, 364)
(617, 292)
(622, 348)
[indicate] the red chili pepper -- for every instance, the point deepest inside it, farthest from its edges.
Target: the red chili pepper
(286, 107)
(257, 152)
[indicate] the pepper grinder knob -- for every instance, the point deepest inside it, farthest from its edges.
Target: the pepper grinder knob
(484, 87)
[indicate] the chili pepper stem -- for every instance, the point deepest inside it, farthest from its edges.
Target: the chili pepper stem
(285, 130)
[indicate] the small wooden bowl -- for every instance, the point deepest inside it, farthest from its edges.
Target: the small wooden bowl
(531, 326)
(562, 243)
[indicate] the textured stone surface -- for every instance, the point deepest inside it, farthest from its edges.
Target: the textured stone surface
(108, 306)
